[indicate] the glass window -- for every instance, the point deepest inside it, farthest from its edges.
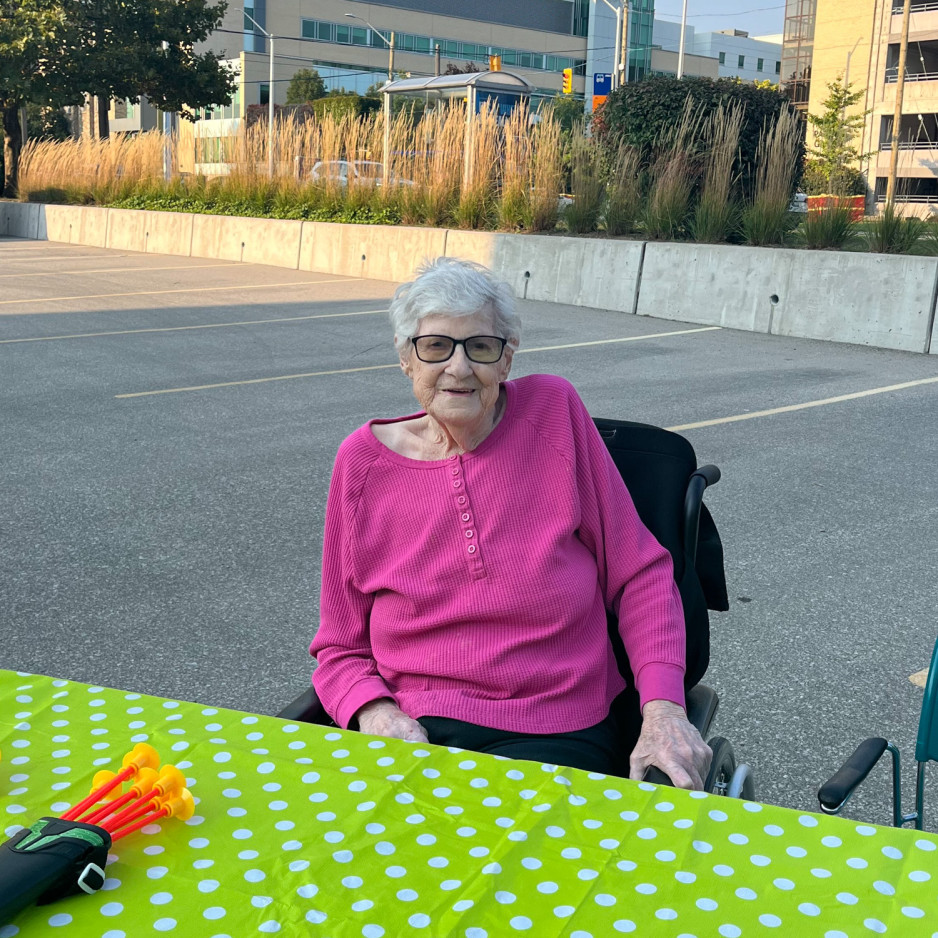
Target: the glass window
(524, 59)
(360, 36)
(264, 93)
(742, 61)
(308, 29)
(343, 34)
(379, 43)
(509, 57)
(778, 68)
(449, 48)
(722, 58)
(423, 44)
(325, 32)
(759, 64)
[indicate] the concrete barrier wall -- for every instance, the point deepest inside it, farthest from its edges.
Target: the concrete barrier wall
(126, 230)
(867, 299)
(169, 233)
(19, 220)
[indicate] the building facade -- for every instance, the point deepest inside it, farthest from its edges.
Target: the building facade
(857, 42)
(733, 53)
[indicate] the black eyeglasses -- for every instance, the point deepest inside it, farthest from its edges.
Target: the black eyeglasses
(481, 349)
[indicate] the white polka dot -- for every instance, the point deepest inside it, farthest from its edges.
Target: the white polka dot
(373, 931)
(215, 912)
(706, 905)
(729, 931)
(479, 852)
(248, 855)
(419, 920)
(208, 885)
(587, 875)
(475, 932)
(604, 899)
(667, 915)
(624, 925)
(609, 843)
(571, 853)
(291, 845)
(646, 889)
(626, 865)
(164, 924)
(255, 876)
(830, 841)
(746, 894)
(315, 916)
(926, 845)
(243, 834)
(701, 846)
(396, 872)
(910, 911)
(773, 830)
(721, 869)
(864, 830)
(649, 833)
(797, 852)
(786, 884)
(874, 925)
(717, 815)
(450, 884)
(161, 898)
(809, 908)
(919, 876)
(683, 877)
(112, 908)
(894, 853)
(547, 888)
(770, 921)
(197, 843)
(522, 922)
(343, 856)
(407, 895)
(438, 862)
(857, 863)
(738, 839)
(157, 872)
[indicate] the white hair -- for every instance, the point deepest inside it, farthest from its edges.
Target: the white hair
(449, 286)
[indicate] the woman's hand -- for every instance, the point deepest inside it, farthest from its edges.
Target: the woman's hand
(384, 718)
(671, 743)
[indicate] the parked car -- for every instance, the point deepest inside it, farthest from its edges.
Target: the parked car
(799, 203)
(364, 172)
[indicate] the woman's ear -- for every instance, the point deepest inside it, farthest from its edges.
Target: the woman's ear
(405, 359)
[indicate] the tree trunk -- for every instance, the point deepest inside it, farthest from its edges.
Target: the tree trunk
(12, 145)
(104, 125)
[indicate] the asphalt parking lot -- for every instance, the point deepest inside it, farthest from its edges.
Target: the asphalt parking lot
(168, 427)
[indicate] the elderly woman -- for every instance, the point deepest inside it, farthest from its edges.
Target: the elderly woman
(472, 550)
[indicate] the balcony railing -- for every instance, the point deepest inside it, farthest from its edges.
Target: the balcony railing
(924, 199)
(892, 75)
(916, 7)
(910, 144)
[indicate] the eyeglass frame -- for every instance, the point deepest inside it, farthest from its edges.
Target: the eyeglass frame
(462, 342)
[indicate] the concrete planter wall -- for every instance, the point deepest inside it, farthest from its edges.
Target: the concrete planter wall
(866, 299)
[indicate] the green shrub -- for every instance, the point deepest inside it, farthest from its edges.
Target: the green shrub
(890, 233)
(832, 227)
(338, 105)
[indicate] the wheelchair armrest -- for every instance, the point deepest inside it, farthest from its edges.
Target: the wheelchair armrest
(834, 793)
(307, 708)
(696, 485)
(701, 705)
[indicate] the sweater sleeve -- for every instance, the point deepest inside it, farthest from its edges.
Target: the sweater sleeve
(346, 676)
(635, 572)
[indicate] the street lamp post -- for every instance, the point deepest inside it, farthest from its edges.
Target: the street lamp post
(616, 70)
(680, 52)
(385, 164)
(270, 97)
(388, 43)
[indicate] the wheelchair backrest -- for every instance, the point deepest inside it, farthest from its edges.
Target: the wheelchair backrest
(926, 744)
(656, 466)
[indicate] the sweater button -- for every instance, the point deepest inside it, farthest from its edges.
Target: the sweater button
(455, 470)
(461, 499)
(454, 456)
(456, 484)
(471, 548)
(468, 533)
(465, 516)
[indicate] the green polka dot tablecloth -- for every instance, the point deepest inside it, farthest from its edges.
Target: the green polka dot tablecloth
(308, 831)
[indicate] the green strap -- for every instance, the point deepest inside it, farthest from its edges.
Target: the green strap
(35, 840)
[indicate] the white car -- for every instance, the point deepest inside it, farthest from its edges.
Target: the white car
(799, 203)
(364, 172)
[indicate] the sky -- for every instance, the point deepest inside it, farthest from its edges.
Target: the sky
(757, 17)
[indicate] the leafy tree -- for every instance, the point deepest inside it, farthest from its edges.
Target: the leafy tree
(47, 123)
(832, 166)
(637, 112)
(306, 85)
(453, 69)
(53, 52)
(567, 110)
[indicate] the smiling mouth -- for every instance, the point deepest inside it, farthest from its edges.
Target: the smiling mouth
(459, 390)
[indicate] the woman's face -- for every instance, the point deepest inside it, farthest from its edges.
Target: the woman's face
(457, 392)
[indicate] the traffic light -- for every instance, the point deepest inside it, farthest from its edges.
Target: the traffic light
(567, 81)
(495, 63)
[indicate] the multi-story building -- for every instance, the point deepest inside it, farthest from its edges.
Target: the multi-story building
(857, 41)
(732, 52)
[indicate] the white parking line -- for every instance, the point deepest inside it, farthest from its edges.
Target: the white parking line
(117, 270)
(102, 296)
(752, 415)
(211, 325)
(346, 371)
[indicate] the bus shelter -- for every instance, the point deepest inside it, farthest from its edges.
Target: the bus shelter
(505, 89)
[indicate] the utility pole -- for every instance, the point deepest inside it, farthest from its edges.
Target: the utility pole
(624, 52)
(680, 51)
(897, 116)
(436, 60)
(270, 97)
(380, 35)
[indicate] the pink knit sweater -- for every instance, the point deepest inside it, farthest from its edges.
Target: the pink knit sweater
(476, 587)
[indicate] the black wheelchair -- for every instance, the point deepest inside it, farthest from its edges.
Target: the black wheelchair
(660, 470)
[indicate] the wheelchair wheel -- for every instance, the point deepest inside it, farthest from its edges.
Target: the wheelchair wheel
(721, 768)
